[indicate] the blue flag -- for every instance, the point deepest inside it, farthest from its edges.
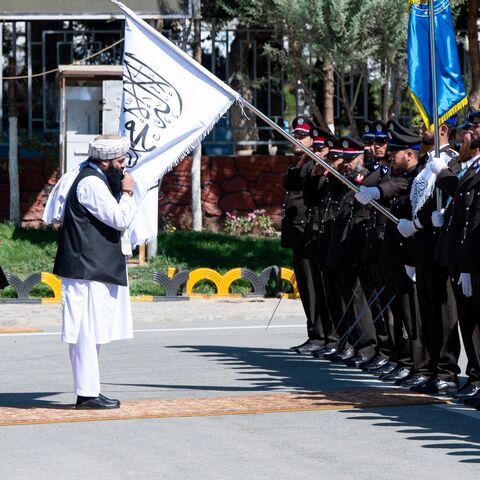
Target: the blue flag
(451, 92)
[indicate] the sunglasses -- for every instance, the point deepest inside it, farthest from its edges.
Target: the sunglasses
(300, 135)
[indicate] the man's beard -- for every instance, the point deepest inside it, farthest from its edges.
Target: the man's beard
(399, 169)
(114, 177)
(464, 153)
(428, 141)
(352, 173)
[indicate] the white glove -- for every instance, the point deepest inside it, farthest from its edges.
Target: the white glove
(367, 194)
(406, 227)
(465, 281)
(438, 218)
(411, 272)
(437, 164)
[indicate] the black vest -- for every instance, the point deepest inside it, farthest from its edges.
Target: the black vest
(88, 249)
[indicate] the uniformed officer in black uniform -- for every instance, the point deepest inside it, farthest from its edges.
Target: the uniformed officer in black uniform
(369, 248)
(316, 192)
(328, 200)
(455, 240)
(368, 138)
(407, 353)
(293, 234)
(357, 332)
(469, 264)
(435, 297)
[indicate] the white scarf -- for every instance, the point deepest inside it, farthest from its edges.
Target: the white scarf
(424, 183)
(55, 207)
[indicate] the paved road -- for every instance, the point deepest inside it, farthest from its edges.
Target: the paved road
(212, 349)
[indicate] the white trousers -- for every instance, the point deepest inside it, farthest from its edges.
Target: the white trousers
(84, 358)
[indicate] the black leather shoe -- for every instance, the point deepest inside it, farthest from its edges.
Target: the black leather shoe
(467, 391)
(473, 398)
(95, 403)
(471, 401)
(447, 386)
(357, 361)
(344, 355)
(307, 348)
(474, 403)
(436, 386)
(389, 367)
(375, 363)
(296, 347)
(330, 355)
(113, 401)
(412, 381)
(399, 373)
(325, 351)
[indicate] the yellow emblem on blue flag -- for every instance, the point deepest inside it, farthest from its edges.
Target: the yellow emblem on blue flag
(451, 92)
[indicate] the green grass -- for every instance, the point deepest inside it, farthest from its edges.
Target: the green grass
(221, 252)
(23, 252)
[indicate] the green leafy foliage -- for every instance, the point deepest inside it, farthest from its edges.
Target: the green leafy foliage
(23, 252)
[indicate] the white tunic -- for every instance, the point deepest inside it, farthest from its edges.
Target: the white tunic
(105, 307)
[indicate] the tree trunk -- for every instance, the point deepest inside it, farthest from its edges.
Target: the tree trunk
(295, 56)
(13, 146)
(197, 153)
(328, 96)
(386, 89)
(349, 104)
(244, 129)
(310, 98)
(393, 110)
(473, 52)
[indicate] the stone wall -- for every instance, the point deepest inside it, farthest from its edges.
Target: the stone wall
(37, 178)
(238, 184)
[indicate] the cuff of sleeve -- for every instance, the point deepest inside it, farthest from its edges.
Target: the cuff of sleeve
(127, 198)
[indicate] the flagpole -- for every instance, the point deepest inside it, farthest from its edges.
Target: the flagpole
(436, 137)
(317, 159)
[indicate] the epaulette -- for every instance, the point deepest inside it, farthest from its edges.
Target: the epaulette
(451, 152)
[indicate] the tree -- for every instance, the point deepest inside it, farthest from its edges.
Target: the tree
(386, 30)
(473, 52)
(335, 34)
(339, 45)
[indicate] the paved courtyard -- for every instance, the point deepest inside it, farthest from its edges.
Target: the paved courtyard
(209, 393)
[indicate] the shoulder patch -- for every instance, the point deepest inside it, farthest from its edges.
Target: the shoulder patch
(360, 178)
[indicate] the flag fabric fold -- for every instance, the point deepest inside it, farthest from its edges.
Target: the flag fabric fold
(170, 103)
(451, 92)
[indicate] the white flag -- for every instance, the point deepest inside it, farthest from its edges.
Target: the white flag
(170, 103)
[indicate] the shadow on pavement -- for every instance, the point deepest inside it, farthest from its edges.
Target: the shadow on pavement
(31, 399)
(435, 428)
(267, 370)
(271, 369)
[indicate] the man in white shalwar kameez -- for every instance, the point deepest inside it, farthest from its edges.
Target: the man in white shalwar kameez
(95, 294)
